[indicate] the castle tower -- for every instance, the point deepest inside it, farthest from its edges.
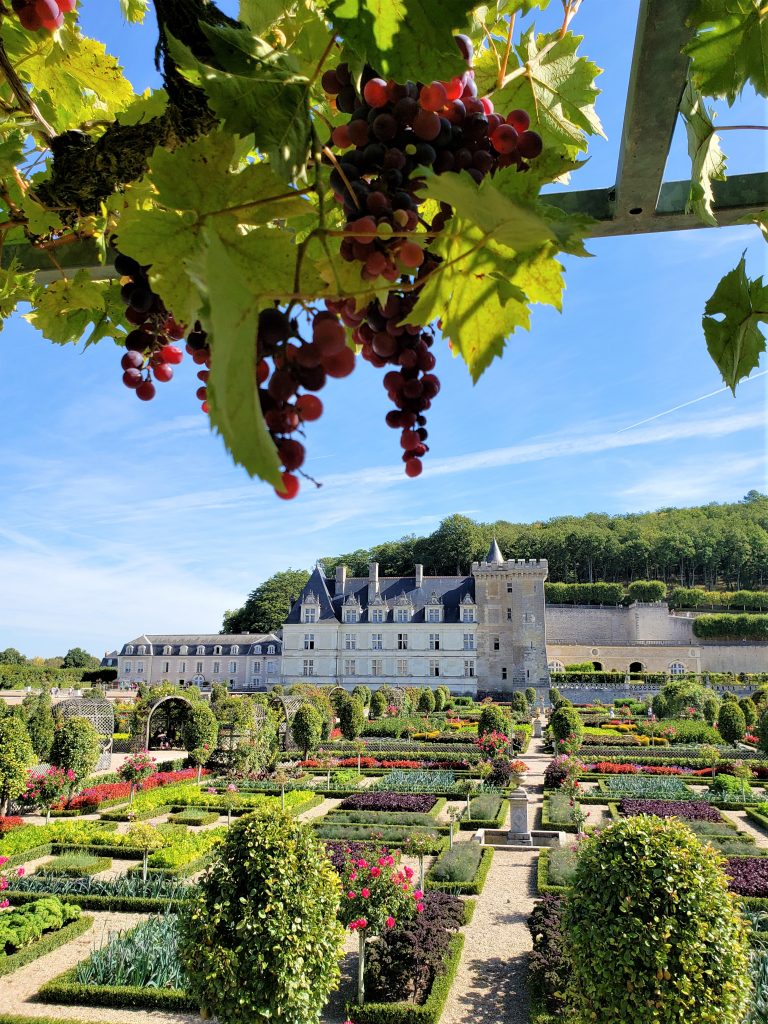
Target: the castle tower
(512, 651)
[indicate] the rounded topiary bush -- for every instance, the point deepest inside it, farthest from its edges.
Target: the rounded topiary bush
(651, 931)
(731, 723)
(261, 940)
(494, 719)
(566, 722)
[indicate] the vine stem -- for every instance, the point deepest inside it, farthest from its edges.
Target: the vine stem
(507, 50)
(332, 157)
(571, 10)
(23, 98)
(741, 127)
(323, 58)
(244, 207)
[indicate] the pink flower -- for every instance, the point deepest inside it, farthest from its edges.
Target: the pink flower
(350, 895)
(353, 926)
(375, 872)
(352, 876)
(362, 863)
(420, 908)
(408, 872)
(383, 861)
(3, 884)
(4, 904)
(418, 894)
(362, 923)
(390, 922)
(20, 872)
(365, 893)
(4, 860)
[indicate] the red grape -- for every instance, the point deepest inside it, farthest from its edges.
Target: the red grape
(375, 92)
(290, 487)
(519, 120)
(146, 391)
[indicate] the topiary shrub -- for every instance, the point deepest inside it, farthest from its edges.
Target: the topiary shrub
(260, 939)
(519, 703)
(530, 696)
(306, 728)
(378, 704)
(710, 706)
(16, 756)
(351, 718)
(426, 704)
(75, 746)
(566, 722)
(493, 719)
(652, 934)
(731, 723)
(747, 705)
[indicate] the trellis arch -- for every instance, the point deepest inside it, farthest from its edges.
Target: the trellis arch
(142, 734)
(100, 714)
(286, 706)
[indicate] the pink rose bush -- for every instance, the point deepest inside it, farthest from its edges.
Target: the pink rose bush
(47, 789)
(378, 894)
(4, 903)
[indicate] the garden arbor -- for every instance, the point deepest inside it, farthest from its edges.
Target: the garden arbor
(160, 703)
(101, 716)
(286, 707)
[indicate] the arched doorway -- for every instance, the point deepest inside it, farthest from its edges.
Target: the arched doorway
(597, 666)
(636, 666)
(165, 722)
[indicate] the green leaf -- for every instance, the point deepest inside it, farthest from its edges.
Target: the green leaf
(498, 217)
(134, 10)
(255, 90)
(65, 308)
(233, 395)
(707, 158)
(475, 295)
(15, 287)
(730, 47)
(735, 341)
(259, 15)
(758, 219)
(403, 39)
(557, 88)
(151, 103)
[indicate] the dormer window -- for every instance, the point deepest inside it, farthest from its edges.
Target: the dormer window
(351, 615)
(129, 649)
(309, 614)
(166, 649)
(200, 650)
(402, 614)
(142, 649)
(434, 614)
(234, 649)
(467, 614)
(256, 649)
(271, 649)
(217, 649)
(183, 649)
(377, 615)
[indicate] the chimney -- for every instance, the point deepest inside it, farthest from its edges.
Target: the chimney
(419, 574)
(373, 580)
(341, 578)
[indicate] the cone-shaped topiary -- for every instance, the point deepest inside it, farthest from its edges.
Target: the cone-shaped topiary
(261, 940)
(651, 931)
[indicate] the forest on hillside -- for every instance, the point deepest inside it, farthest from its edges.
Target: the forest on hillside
(715, 546)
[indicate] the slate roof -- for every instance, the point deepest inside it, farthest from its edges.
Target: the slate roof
(450, 591)
(494, 556)
(155, 643)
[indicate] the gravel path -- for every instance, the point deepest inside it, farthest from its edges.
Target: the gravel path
(746, 824)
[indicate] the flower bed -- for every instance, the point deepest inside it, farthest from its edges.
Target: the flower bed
(19, 843)
(125, 893)
(688, 810)
(749, 875)
(417, 802)
(389, 835)
(461, 870)
(406, 781)
(378, 818)
(8, 822)
(616, 768)
(653, 789)
(110, 792)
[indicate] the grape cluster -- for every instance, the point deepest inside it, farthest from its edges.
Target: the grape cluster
(42, 14)
(150, 352)
(394, 132)
(288, 370)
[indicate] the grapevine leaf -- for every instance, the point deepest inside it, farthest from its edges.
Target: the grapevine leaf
(259, 15)
(760, 220)
(15, 287)
(256, 91)
(65, 308)
(730, 47)
(707, 158)
(233, 395)
(151, 103)
(403, 38)
(498, 217)
(476, 294)
(557, 88)
(736, 341)
(134, 10)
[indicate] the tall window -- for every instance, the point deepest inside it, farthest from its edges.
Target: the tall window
(350, 668)
(402, 641)
(309, 641)
(377, 642)
(200, 650)
(142, 650)
(676, 668)
(509, 614)
(434, 667)
(467, 614)
(309, 667)
(469, 668)
(166, 667)
(271, 649)
(350, 641)
(199, 667)
(217, 649)
(434, 641)
(377, 667)
(271, 668)
(503, 671)
(233, 666)
(469, 641)
(402, 666)
(129, 649)
(166, 650)
(256, 668)
(309, 615)
(402, 615)
(183, 649)
(140, 668)
(496, 643)
(377, 615)
(182, 666)
(433, 614)
(234, 649)
(216, 667)
(126, 667)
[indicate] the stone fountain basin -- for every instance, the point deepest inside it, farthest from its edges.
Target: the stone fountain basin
(501, 837)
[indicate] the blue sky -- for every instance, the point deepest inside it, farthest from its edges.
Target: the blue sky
(121, 517)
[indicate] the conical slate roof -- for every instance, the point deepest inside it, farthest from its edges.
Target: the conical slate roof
(494, 556)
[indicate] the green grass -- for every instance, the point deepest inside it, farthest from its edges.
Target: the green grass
(75, 865)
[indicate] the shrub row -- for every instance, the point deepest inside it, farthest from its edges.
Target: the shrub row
(65, 989)
(53, 940)
(450, 864)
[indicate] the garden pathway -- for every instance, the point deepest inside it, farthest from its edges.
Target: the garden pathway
(746, 824)
(490, 986)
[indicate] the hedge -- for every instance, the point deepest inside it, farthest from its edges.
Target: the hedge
(46, 944)
(472, 888)
(753, 627)
(584, 593)
(542, 876)
(116, 904)
(695, 597)
(756, 816)
(472, 824)
(409, 1013)
(65, 989)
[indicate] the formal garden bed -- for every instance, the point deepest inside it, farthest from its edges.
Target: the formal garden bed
(37, 928)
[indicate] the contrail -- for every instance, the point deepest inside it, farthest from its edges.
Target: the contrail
(693, 401)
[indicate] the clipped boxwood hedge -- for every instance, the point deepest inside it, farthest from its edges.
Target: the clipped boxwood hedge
(117, 904)
(409, 1013)
(542, 876)
(49, 942)
(558, 826)
(65, 989)
(471, 888)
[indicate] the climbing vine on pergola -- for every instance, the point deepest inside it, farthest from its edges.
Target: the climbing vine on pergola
(324, 177)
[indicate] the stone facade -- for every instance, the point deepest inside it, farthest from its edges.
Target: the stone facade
(244, 661)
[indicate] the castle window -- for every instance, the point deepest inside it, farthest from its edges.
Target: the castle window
(469, 641)
(556, 666)
(234, 649)
(127, 667)
(350, 615)
(129, 649)
(309, 667)
(469, 668)
(142, 650)
(182, 666)
(256, 668)
(377, 615)
(271, 668)
(434, 666)
(166, 667)
(433, 614)
(309, 615)
(271, 649)
(350, 668)
(199, 668)
(350, 641)
(402, 615)
(496, 643)
(183, 649)
(200, 650)
(377, 667)
(402, 641)
(217, 650)
(509, 614)
(467, 614)
(166, 650)
(503, 671)
(377, 641)
(676, 668)
(216, 667)
(309, 641)
(402, 666)
(232, 668)
(140, 668)
(434, 641)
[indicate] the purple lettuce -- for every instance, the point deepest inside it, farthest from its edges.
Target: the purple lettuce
(339, 849)
(749, 875)
(418, 802)
(689, 810)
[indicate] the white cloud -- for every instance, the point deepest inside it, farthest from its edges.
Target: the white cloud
(693, 481)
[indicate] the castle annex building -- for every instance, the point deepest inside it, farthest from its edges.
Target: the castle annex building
(245, 661)
(482, 632)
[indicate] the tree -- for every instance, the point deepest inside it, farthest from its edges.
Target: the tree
(731, 723)
(306, 728)
(426, 703)
(747, 705)
(200, 727)
(378, 704)
(678, 950)
(243, 953)
(519, 703)
(145, 837)
(10, 656)
(16, 756)
(351, 718)
(363, 694)
(75, 746)
(48, 788)
(710, 706)
(564, 723)
(267, 607)
(38, 710)
(76, 657)
(135, 769)
(494, 719)
(530, 696)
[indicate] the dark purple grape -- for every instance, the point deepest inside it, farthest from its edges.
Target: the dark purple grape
(346, 101)
(465, 47)
(529, 145)
(385, 127)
